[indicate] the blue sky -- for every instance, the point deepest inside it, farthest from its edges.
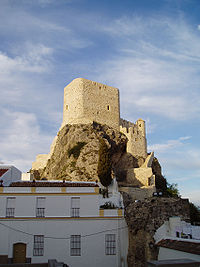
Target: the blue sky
(149, 49)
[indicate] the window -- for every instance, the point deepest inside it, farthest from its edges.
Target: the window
(38, 246)
(108, 107)
(40, 206)
(110, 244)
(10, 207)
(75, 245)
(75, 206)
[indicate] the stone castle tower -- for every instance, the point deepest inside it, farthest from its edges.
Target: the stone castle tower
(86, 101)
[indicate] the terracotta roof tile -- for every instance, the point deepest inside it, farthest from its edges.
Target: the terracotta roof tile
(186, 246)
(51, 184)
(2, 171)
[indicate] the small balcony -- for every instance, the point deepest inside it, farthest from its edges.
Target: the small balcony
(75, 212)
(40, 212)
(10, 212)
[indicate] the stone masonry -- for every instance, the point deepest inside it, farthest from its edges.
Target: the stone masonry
(86, 101)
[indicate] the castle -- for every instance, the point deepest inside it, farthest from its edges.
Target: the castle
(86, 101)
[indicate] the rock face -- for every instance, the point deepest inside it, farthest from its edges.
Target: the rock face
(143, 219)
(160, 181)
(75, 154)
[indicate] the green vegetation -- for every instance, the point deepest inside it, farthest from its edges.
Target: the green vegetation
(104, 164)
(194, 214)
(75, 150)
(172, 190)
(108, 205)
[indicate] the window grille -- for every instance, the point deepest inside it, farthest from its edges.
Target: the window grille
(75, 207)
(10, 207)
(75, 245)
(38, 246)
(40, 207)
(110, 244)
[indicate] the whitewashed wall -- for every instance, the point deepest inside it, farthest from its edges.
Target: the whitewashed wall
(166, 254)
(12, 175)
(92, 247)
(59, 225)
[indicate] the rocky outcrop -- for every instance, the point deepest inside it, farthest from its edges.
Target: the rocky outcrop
(143, 219)
(75, 153)
(160, 181)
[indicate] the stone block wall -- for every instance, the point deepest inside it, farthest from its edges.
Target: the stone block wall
(86, 101)
(137, 144)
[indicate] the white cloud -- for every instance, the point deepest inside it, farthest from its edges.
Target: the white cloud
(33, 59)
(155, 67)
(21, 139)
(170, 144)
(193, 195)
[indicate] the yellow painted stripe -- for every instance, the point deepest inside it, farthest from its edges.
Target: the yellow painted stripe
(48, 194)
(60, 218)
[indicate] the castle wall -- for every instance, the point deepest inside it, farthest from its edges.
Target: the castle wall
(137, 144)
(40, 162)
(138, 193)
(86, 101)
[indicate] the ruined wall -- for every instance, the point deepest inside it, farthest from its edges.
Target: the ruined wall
(86, 101)
(137, 144)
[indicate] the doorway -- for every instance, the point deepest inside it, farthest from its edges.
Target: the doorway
(19, 253)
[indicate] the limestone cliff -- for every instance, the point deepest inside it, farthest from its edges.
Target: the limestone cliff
(143, 219)
(75, 153)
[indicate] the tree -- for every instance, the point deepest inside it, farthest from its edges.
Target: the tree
(104, 164)
(194, 214)
(172, 190)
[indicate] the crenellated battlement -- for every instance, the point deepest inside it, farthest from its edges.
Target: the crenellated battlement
(136, 135)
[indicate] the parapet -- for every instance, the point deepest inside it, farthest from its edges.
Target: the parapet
(136, 135)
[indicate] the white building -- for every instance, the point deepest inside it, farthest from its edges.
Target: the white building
(178, 239)
(63, 221)
(9, 174)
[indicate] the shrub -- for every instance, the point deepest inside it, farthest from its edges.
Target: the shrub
(172, 190)
(194, 214)
(75, 150)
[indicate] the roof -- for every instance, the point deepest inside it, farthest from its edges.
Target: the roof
(189, 247)
(52, 184)
(176, 262)
(2, 171)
